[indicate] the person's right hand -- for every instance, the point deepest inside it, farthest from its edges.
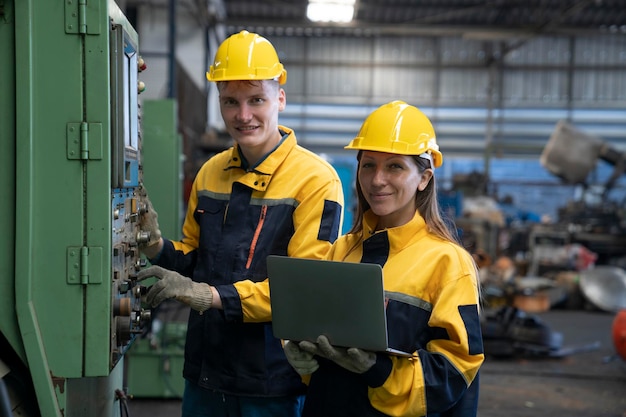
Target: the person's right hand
(303, 362)
(148, 220)
(355, 360)
(171, 284)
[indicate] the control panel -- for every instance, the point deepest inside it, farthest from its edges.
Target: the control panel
(128, 317)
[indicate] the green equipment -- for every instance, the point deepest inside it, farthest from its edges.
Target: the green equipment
(154, 362)
(70, 168)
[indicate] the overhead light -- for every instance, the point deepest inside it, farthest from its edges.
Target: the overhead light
(339, 11)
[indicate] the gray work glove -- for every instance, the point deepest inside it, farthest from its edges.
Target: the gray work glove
(303, 362)
(171, 284)
(148, 219)
(352, 359)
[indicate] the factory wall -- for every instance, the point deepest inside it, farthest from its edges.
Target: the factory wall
(500, 96)
(503, 97)
(494, 103)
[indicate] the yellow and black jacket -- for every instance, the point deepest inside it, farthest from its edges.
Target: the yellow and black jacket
(290, 203)
(432, 310)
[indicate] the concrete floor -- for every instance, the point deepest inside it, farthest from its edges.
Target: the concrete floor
(585, 384)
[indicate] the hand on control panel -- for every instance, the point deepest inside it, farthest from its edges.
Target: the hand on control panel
(148, 222)
(171, 284)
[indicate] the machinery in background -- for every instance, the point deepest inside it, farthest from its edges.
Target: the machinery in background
(155, 361)
(535, 264)
(69, 176)
(605, 287)
(594, 220)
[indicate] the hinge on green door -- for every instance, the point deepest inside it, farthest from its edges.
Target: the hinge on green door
(84, 265)
(84, 140)
(82, 17)
(3, 12)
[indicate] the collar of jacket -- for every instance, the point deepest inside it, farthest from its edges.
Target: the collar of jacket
(399, 237)
(259, 177)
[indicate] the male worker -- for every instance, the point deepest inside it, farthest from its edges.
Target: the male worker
(266, 195)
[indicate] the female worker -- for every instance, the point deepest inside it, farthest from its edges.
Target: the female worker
(431, 287)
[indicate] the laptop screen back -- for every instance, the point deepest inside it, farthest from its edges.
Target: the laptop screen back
(344, 301)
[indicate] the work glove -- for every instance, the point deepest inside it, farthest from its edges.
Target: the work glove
(303, 362)
(353, 359)
(148, 219)
(171, 284)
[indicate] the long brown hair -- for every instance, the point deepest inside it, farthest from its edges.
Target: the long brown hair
(426, 204)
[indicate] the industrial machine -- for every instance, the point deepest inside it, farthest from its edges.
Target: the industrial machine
(70, 170)
(594, 219)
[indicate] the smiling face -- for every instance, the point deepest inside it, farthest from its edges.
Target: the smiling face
(250, 112)
(389, 183)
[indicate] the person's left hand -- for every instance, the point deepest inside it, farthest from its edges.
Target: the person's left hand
(353, 359)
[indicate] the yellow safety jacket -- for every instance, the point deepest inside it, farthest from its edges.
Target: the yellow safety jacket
(290, 203)
(432, 310)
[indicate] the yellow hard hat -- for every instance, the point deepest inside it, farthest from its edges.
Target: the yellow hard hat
(399, 128)
(246, 56)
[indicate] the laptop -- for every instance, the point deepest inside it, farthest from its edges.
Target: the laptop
(341, 300)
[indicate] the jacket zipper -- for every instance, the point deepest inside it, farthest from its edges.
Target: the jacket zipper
(257, 232)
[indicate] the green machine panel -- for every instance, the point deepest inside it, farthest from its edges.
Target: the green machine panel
(162, 163)
(155, 361)
(70, 117)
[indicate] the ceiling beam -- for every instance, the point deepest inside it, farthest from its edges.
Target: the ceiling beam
(356, 29)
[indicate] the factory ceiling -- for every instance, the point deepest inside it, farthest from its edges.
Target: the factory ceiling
(488, 18)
